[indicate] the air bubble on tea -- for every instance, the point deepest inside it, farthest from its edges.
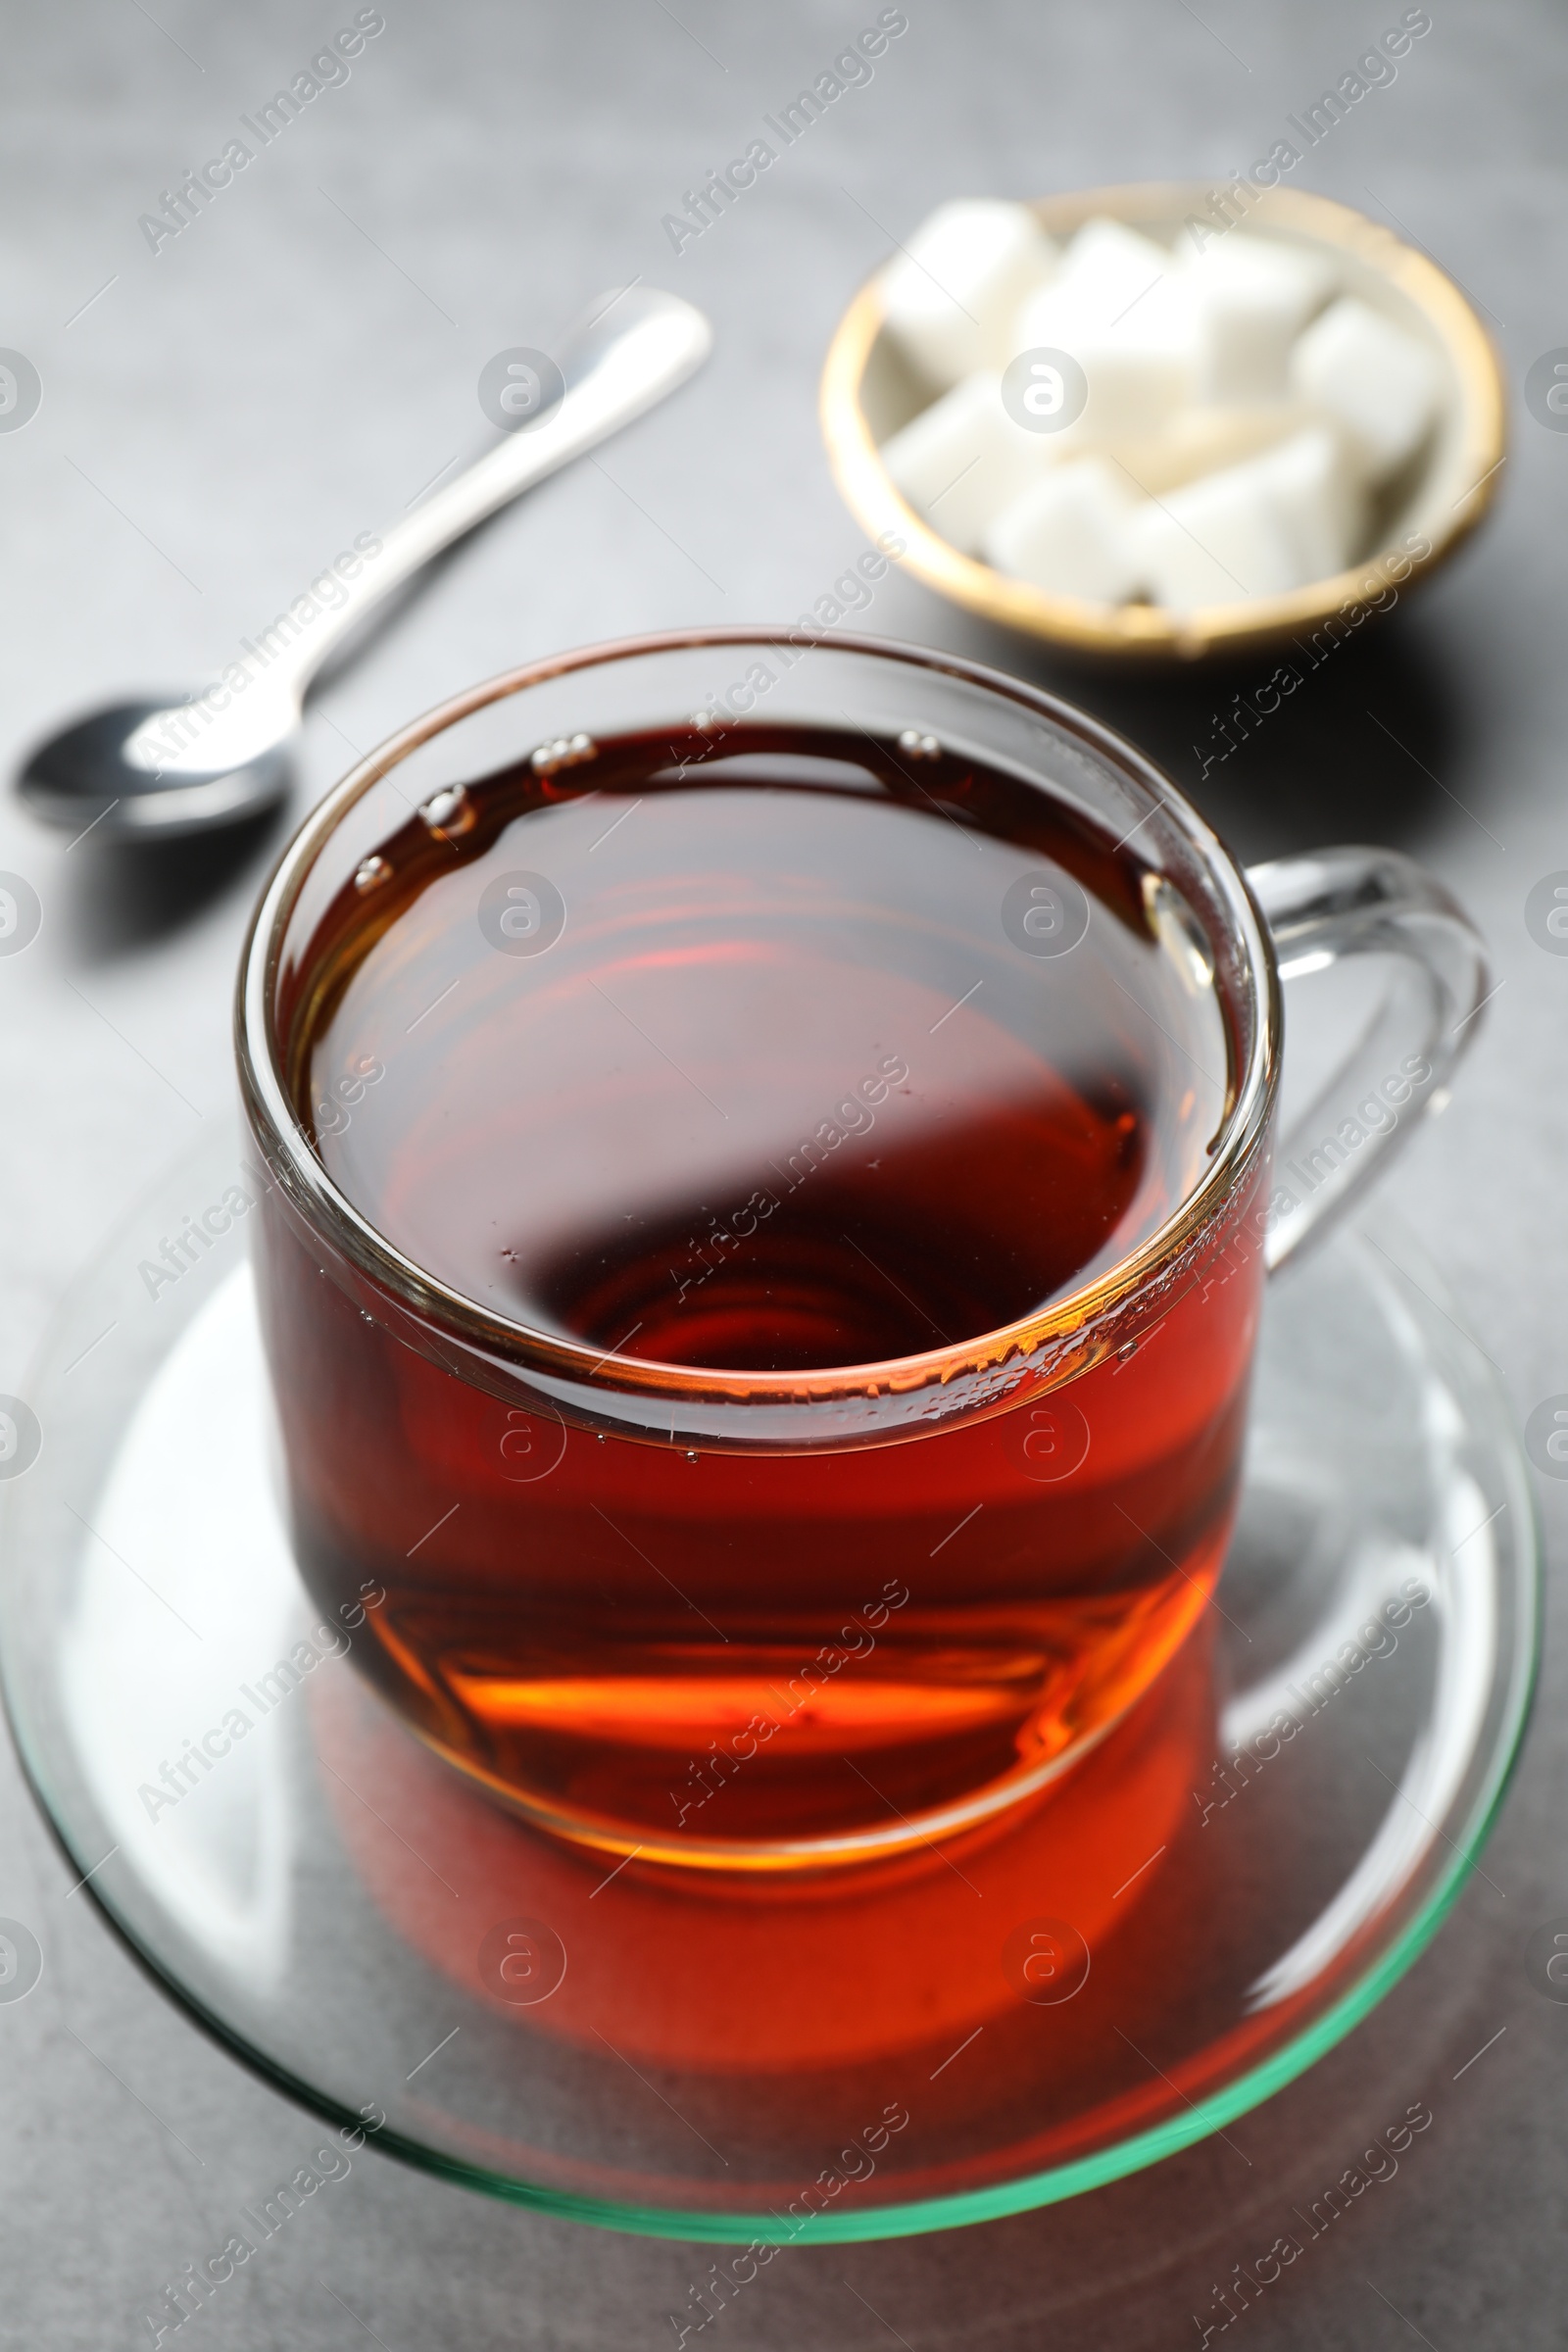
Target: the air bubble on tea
(567, 750)
(448, 814)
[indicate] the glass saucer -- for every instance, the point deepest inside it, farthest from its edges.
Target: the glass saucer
(1207, 1904)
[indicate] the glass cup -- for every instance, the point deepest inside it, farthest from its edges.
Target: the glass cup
(770, 1622)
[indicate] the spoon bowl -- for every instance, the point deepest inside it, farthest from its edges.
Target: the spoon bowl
(84, 777)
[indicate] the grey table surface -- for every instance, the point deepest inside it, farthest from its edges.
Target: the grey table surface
(217, 419)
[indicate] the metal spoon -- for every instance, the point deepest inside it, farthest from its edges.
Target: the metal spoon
(159, 769)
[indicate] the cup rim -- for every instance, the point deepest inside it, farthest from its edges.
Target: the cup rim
(1044, 1338)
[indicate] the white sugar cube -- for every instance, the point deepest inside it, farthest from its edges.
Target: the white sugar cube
(1257, 294)
(1215, 541)
(1068, 533)
(1293, 515)
(963, 458)
(1111, 265)
(951, 297)
(1142, 361)
(1374, 378)
(1319, 497)
(1119, 306)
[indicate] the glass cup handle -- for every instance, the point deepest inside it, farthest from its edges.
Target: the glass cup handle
(1361, 901)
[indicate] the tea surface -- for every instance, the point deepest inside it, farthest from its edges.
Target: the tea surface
(742, 1069)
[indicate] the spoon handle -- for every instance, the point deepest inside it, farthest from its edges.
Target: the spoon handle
(622, 359)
